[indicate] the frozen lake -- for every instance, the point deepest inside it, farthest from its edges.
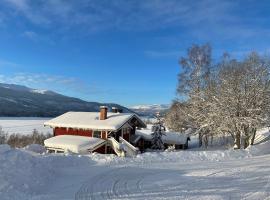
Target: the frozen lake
(23, 125)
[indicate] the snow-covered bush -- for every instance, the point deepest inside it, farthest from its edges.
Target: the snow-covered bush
(158, 131)
(3, 136)
(20, 140)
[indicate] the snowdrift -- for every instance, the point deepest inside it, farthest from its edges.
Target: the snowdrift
(21, 173)
(25, 174)
(199, 155)
(36, 148)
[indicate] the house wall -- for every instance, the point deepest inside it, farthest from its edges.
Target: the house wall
(125, 132)
(70, 131)
(140, 145)
(126, 136)
(80, 132)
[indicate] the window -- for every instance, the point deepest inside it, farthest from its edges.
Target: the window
(97, 134)
(126, 130)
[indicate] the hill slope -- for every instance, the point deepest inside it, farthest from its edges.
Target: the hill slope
(17, 100)
(150, 110)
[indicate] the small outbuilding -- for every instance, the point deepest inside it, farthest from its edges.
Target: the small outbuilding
(144, 137)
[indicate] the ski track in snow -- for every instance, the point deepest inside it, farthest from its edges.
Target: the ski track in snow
(225, 180)
(119, 183)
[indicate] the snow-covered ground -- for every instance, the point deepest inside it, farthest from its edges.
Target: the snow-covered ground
(24, 125)
(191, 174)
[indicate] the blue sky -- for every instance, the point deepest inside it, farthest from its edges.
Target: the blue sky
(122, 51)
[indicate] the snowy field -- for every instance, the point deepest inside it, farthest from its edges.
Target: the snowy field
(23, 125)
(192, 174)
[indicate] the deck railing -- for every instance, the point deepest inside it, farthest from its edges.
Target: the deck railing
(129, 148)
(116, 147)
(123, 148)
(261, 138)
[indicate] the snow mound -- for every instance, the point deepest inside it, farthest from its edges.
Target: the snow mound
(36, 148)
(21, 173)
(4, 148)
(190, 156)
(263, 131)
(24, 174)
(260, 149)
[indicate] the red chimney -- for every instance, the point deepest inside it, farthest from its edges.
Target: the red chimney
(103, 112)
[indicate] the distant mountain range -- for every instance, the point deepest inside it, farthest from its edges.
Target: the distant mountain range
(21, 101)
(150, 109)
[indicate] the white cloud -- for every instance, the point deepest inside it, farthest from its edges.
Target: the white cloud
(206, 16)
(37, 37)
(205, 20)
(70, 86)
(30, 35)
(19, 4)
(28, 9)
(6, 63)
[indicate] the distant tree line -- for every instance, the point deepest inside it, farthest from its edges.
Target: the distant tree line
(17, 140)
(230, 97)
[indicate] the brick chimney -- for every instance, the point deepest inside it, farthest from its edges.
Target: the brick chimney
(103, 112)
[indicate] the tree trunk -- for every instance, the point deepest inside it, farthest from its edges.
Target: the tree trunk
(247, 137)
(253, 136)
(205, 140)
(246, 142)
(237, 141)
(211, 141)
(200, 139)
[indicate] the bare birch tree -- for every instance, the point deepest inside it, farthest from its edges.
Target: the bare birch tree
(243, 99)
(231, 97)
(194, 85)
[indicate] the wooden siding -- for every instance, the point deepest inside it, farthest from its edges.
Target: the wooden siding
(101, 149)
(103, 135)
(70, 131)
(126, 137)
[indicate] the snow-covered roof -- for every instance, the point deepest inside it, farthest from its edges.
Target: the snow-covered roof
(168, 138)
(72, 143)
(90, 120)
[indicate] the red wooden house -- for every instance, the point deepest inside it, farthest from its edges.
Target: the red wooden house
(96, 132)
